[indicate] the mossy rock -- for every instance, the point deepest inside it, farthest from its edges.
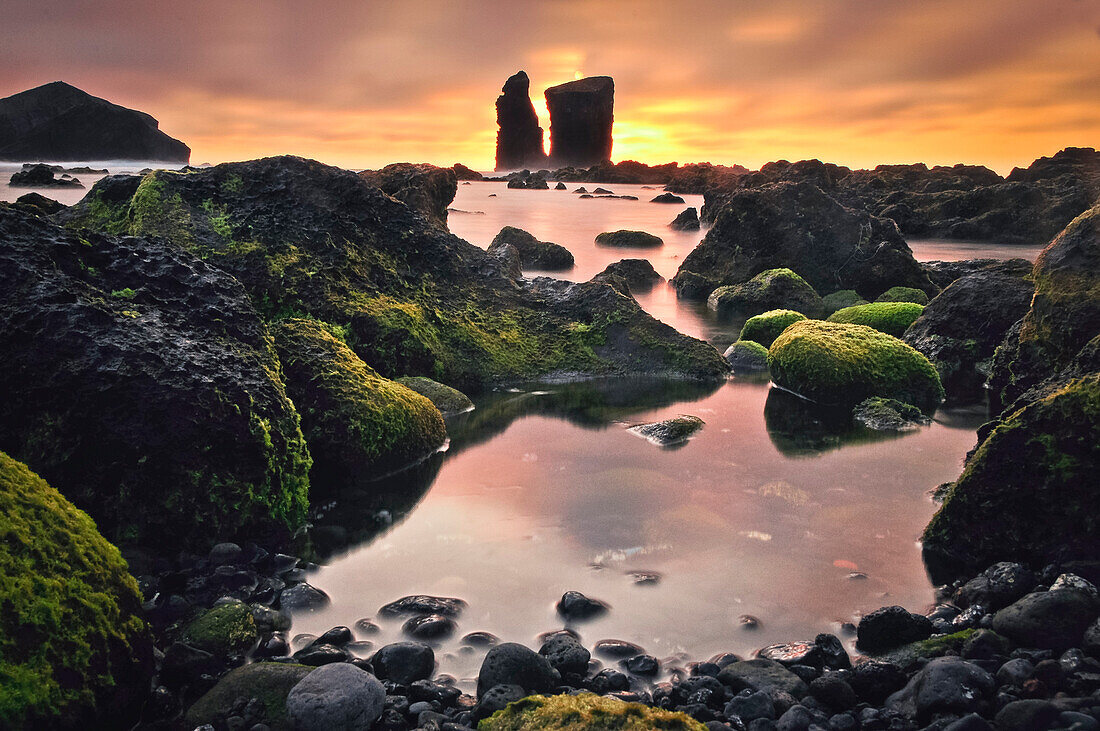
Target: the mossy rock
(910, 655)
(747, 356)
(448, 400)
(74, 649)
(269, 682)
(586, 711)
(838, 363)
(892, 318)
(629, 239)
(839, 300)
(355, 421)
(886, 414)
(903, 294)
(769, 290)
(225, 630)
(766, 327)
(1029, 491)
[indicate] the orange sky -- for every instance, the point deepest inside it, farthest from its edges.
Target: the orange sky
(360, 84)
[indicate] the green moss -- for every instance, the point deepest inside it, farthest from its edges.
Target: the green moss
(585, 711)
(224, 630)
(903, 294)
(766, 327)
(631, 239)
(892, 318)
(841, 299)
(232, 184)
(154, 212)
(268, 682)
(73, 646)
(448, 400)
(770, 289)
(125, 294)
(908, 655)
(835, 363)
(747, 356)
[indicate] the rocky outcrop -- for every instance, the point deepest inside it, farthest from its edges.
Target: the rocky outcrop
(519, 140)
(797, 226)
(316, 241)
(581, 117)
(424, 188)
(464, 173)
(943, 273)
(41, 176)
(534, 254)
(630, 275)
(38, 203)
(140, 381)
(57, 121)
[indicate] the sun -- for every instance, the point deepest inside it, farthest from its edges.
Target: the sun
(578, 75)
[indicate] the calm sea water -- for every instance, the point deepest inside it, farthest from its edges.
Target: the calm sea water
(773, 510)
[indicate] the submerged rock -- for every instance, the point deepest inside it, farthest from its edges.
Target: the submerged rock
(575, 606)
(687, 220)
(418, 604)
(773, 289)
(631, 239)
(534, 254)
(884, 414)
(74, 647)
(892, 318)
(667, 198)
(670, 432)
(581, 116)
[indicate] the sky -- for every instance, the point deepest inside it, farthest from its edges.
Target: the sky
(361, 83)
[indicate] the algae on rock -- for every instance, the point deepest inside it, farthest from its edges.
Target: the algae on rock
(586, 711)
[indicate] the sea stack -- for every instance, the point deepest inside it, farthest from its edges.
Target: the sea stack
(519, 140)
(581, 116)
(59, 122)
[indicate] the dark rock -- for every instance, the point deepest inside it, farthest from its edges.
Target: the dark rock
(667, 198)
(581, 117)
(945, 685)
(997, 587)
(750, 705)
(335, 697)
(57, 121)
(480, 639)
(574, 606)
(466, 174)
(670, 432)
(943, 273)
(834, 692)
(303, 598)
(773, 289)
(1054, 620)
(793, 653)
(184, 664)
(874, 681)
(629, 239)
(429, 627)
(560, 186)
(761, 674)
(519, 140)
(687, 220)
(534, 254)
(798, 226)
(423, 188)
(566, 654)
(38, 203)
(404, 662)
(643, 665)
(747, 356)
(497, 698)
(962, 326)
(630, 275)
(419, 604)
(969, 722)
(270, 682)
(617, 649)
(339, 636)
(890, 627)
(40, 176)
(1027, 715)
(225, 553)
(513, 664)
(317, 654)
(884, 414)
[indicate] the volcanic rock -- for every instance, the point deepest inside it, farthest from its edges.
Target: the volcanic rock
(581, 117)
(519, 140)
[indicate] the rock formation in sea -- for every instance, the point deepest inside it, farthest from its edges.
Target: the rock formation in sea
(581, 117)
(519, 140)
(57, 121)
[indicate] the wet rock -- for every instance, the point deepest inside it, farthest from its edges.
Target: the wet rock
(404, 662)
(890, 627)
(629, 239)
(762, 675)
(880, 414)
(424, 188)
(41, 176)
(1027, 715)
(480, 639)
(303, 598)
(670, 432)
(566, 654)
(560, 186)
(617, 649)
(513, 664)
(637, 274)
(448, 400)
(534, 254)
(997, 587)
(338, 636)
(335, 698)
(644, 578)
(750, 705)
(318, 654)
(687, 220)
(497, 698)
(574, 606)
(747, 356)
(771, 290)
(271, 682)
(945, 685)
(519, 140)
(667, 198)
(466, 174)
(223, 630)
(834, 692)
(793, 653)
(419, 604)
(874, 681)
(1054, 620)
(429, 627)
(643, 665)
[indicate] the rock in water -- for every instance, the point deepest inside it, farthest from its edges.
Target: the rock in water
(747, 356)
(629, 239)
(767, 326)
(519, 140)
(581, 116)
(886, 414)
(57, 121)
(687, 220)
(671, 432)
(424, 188)
(336, 697)
(141, 381)
(630, 275)
(772, 289)
(534, 254)
(38, 203)
(41, 176)
(448, 400)
(514, 664)
(892, 318)
(74, 649)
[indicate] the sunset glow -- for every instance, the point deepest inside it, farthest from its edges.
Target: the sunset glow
(363, 84)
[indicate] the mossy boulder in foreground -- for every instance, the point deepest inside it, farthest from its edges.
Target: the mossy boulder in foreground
(836, 363)
(1029, 493)
(892, 318)
(768, 290)
(587, 712)
(766, 327)
(355, 421)
(223, 630)
(74, 650)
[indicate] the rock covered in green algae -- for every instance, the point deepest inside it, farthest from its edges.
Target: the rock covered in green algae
(892, 318)
(836, 363)
(448, 400)
(670, 432)
(534, 254)
(769, 290)
(886, 414)
(74, 649)
(903, 294)
(766, 327)
(747, 356)
(355, 421)
(1029, 491)
(839, 300)
(270, 682)
(140, 381)
(586, 711)
(224, 630)
(631, 239)
(313, 240)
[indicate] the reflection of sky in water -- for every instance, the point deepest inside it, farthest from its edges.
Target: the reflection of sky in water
(740, 521)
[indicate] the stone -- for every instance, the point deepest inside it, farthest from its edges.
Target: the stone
(519, 140)
(767, 326)
(57, 121)
(892, 318)
(1054, 620)
(874, 681)
(997, 586)
(747, 356)
(38, 203)
(629, 239)
(760, 674)
(581, 117)
(667, 198)
(223, 630)
(40, 176)
(1027, 715)
(630, 275)
(686, 220)
(449, 401)
(534, 254)
(617, 649)
(945, 685)
(429, 627)
(566, 654)
(750, 705)
(418, 604)
(670, 432)
(337, 697)
(269, 682)
(303, 598)
(513, 664)
(426, 189)
(771, 290)
(891, 627)
(839, 300)
(404, 662)
(879, 414)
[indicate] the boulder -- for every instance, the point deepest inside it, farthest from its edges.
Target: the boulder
(519, 140)
(404, 662)
(513, 664)
(355, 421)
(75, 651)
(631, 239)
(833, 363)
(448, 400)
(465, 174)
(883, 414)
(630, 275)
(575, 606)
(38, 203)
(903, 294)
(687, 220)
(946, 685)
(534, 254)
(838, 300)
(268, 682)
(581, 116)
(57, 121)
(423, 188)
(1051, 620)
(769, 290)
(141, 381)
(224, 630)
(747, 356)
(890, 627)
(799, 227)
(417, 604)
(586, 711)
(670, 432)
(41, 176)
(766, 327)
(667, 198)
(566, 654)
(892, 318)
(337, 697)
(761, 674)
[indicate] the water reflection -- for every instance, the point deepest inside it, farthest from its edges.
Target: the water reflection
(801, 428)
